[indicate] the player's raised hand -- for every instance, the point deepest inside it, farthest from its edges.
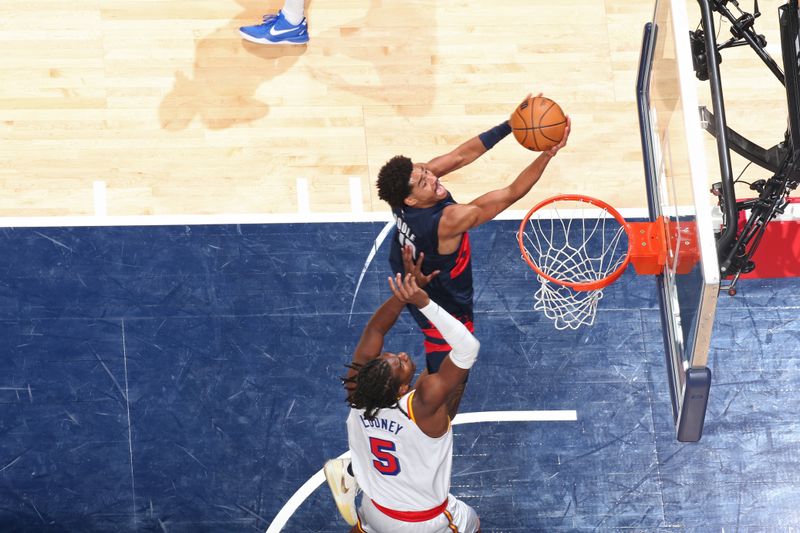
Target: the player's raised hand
(406, 290)
(415, 267)
(554, 150)
(528, 97)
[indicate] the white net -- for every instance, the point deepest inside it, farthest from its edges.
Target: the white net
(566, 307)
(575, 244)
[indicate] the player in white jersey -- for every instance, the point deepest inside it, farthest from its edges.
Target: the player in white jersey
(400, 438)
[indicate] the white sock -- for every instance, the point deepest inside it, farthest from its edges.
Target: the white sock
(293, 11)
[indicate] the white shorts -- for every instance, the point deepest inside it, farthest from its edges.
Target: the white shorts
(461, 516)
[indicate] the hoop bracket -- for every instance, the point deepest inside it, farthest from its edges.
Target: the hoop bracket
(648, 248)
(649, 241)
(687, 251)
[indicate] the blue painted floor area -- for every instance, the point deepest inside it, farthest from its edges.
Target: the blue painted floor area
(185, 379)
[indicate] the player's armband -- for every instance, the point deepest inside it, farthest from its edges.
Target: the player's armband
(464, 345)
(493, 136)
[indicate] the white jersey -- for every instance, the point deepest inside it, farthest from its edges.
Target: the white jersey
(397, 465)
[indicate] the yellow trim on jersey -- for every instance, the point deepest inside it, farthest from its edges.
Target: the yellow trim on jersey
(361, 529)
(411, 412)
(451, 525)
(411, 409)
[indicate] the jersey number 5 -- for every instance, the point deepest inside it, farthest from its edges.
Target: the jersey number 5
(384, 462)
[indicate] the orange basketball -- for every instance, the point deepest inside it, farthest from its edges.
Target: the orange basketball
(538, 123)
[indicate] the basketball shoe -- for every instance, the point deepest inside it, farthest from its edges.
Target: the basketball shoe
(275, 29)
(344, 488)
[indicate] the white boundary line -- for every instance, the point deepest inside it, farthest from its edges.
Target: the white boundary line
(317, 479)
(233, 219)
(298, 498)
(99, 190)
(355, 195)
(516, 416)
(303, 204)
(370, 256)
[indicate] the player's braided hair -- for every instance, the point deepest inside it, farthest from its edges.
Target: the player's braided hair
(393, 186)
(376, 387)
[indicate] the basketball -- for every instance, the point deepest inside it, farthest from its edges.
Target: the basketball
(538, 123)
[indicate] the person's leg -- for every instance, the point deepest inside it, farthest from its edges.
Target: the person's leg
(436, 349)
(294, 11)
(288, 26)
(339, 474)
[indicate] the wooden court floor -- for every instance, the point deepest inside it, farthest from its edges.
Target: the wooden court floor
(163, 109)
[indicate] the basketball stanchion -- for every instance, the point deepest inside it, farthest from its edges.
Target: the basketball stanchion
(579, 245)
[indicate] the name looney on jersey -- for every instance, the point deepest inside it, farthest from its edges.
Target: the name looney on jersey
(381, 423)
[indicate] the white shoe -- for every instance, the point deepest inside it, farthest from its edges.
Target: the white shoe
(344, 488)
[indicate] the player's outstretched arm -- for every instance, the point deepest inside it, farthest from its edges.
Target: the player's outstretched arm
(469, 151)
(370, 344)
(459, 218)
(430, 399)
(462, 156)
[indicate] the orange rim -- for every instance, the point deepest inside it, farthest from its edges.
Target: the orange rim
(587, 285)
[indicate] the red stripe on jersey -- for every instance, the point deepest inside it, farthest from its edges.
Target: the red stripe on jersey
(433, 333)
(462, 259)
(431, 347)
(412, 516)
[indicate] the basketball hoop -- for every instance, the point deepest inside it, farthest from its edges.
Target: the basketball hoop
(578, 246)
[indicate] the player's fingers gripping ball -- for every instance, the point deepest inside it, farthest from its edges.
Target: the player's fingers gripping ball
(538, 123)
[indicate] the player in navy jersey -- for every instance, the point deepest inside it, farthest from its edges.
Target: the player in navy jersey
(429, 220)
(432, 224)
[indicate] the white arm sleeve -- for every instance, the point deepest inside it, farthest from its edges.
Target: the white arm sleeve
(465, 345)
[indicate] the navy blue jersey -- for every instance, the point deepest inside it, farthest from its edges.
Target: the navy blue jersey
(452, 288)
(419, 227)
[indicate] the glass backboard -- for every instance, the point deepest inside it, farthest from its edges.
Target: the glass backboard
(679, 196)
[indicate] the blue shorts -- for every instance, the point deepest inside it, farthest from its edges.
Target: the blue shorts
(436, 348)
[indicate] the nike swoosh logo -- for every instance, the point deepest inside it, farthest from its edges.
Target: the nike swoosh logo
(275, 33)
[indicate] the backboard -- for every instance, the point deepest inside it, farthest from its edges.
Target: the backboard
(678, 189)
